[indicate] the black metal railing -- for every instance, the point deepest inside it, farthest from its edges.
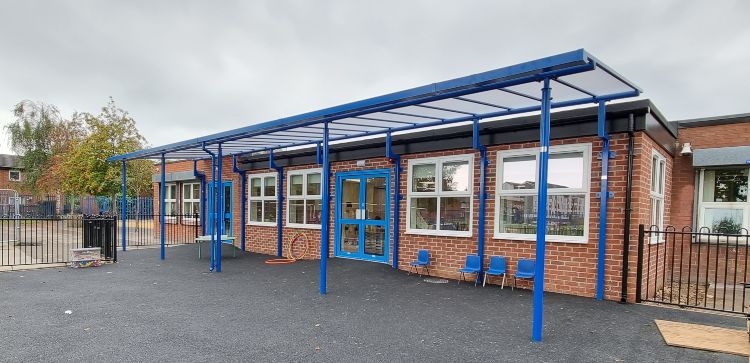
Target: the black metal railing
(700, 269)
(46, 240)
(143, 229)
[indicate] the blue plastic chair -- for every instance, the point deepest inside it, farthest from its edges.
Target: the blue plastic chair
(525, 270)
(423, 261)
(498, 266)
(472, 266)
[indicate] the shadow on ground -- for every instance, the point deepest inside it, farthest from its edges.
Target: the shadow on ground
(175, 310)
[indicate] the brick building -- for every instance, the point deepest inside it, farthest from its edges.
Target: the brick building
(10, 172)
(440, 188)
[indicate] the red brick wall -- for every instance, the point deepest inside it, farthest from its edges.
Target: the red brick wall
(571, 267)
(6, 183)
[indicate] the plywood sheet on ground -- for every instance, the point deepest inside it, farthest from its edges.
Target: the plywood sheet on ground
(704, 337)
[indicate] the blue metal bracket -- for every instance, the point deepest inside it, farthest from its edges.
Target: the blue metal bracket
(609, 194)
(612, 155)
(318, 156)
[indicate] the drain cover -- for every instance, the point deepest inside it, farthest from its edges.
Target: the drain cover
(434, 280)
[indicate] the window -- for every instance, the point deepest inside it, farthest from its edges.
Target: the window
(14, 175)
(722, 200)
(440, 195)
(191, 199)
(262, 199)
(303, 193)
(658, 179)
(567, 193)
(170, 202)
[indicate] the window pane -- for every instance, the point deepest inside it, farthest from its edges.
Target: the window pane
(296, 211)
(375, 240)
(196, 191)
(662, 176)
(423, 178)
(375, 198)
(565, 215)
(654, 172)
(255, 187)
(313, 184)
(656, 212)
(423, 213)
(456, 176)
(723, 220)
(187, 191)
(729, 185)
(313, 211)
(269, 186)
(295, 185)
(519, 172)
(269, 211)
(566, 170)
(455, 213)
(256, 211)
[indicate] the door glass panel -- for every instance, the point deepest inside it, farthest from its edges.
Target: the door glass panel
(227, 199)
(374, 240)
(350, 238)
(349, 198)
(375, 198)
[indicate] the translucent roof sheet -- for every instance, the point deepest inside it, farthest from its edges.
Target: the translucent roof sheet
(575, 78)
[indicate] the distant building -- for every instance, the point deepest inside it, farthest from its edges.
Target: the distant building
(11, 172)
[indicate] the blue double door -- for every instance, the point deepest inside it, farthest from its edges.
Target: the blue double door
(363, 206)
(225, 212)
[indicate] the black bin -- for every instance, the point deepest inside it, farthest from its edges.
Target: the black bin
(100, 231)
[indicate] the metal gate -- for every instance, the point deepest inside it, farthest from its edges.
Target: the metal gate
(704, 269)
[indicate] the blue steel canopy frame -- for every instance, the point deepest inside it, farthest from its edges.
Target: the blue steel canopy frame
(577, 78)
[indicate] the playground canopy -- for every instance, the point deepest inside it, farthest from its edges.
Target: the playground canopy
(567, 79)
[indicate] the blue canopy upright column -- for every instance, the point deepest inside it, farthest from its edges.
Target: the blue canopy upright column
(219, 210)
(124, 205)
(603, 197)
(243, 200)
(396, 193)
(162, 207)
(541, 222)
(482, 194)
(213, 216)
(324, 211)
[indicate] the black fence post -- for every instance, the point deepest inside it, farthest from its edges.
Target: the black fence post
(639, 269)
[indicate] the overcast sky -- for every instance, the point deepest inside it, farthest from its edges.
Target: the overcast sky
(185, 69)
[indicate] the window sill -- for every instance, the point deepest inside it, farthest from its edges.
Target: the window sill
(430, 232)
(262, 224)
(303, 226)
(532, 238)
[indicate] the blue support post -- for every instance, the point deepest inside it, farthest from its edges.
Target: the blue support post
(212, 212)
(279, 203)
(124, 206)
(482, 195)
(541, 224)
(324, 211)
(162, 207)
(202, 178)
(219, 210)
(396, 193)
(604, 197)
(243, 200)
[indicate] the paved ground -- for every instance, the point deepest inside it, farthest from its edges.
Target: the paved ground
(142, 309)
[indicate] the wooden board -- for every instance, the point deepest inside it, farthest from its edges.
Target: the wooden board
(704, 337)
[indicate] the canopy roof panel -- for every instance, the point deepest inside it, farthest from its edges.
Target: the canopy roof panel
(576, 78)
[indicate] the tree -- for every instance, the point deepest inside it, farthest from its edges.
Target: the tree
(85, 166)
(31, 136)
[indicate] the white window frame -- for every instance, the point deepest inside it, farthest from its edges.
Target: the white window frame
(702, 206)
(304, 197)
(585, 149)
(195, 199)
(439, 194)
(167, 217)
(657, 195)
(10, 173)
(262, 198)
